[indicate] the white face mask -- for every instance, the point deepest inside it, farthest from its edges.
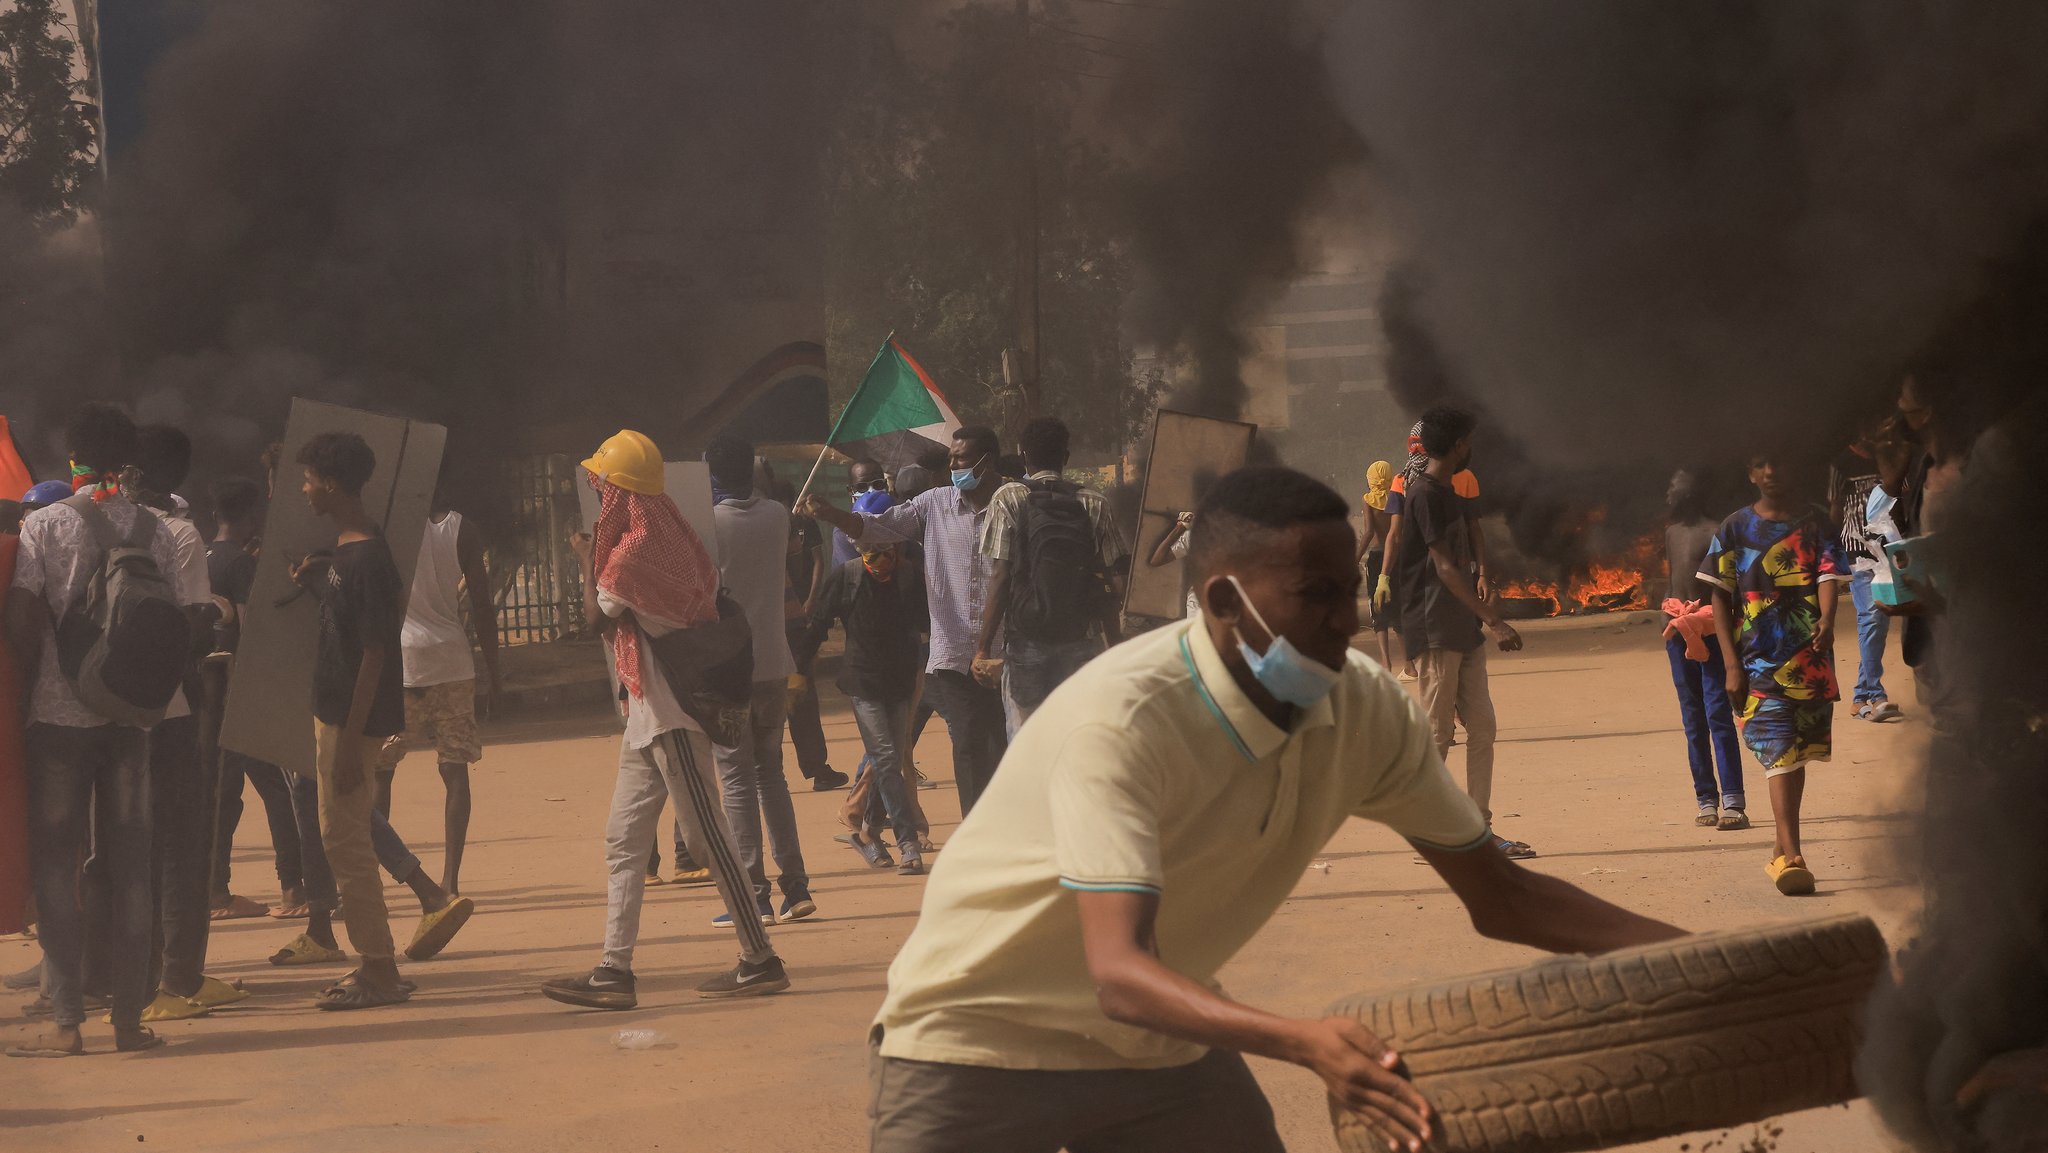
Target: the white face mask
(1283, 670)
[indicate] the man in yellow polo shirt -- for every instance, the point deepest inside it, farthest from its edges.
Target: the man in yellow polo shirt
(1059, 989)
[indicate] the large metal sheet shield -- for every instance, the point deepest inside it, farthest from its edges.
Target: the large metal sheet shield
(270, 696)
(1188, 453)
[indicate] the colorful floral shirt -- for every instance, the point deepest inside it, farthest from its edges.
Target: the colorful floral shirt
(1774, 569)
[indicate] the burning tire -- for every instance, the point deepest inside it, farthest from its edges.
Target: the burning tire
(1704, 1032)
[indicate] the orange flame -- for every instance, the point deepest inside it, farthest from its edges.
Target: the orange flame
(1607, 584)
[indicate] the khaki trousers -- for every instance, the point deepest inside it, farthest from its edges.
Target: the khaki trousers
(1454, 688)
(345, 831)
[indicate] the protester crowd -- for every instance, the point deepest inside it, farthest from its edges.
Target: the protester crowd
(976, 601)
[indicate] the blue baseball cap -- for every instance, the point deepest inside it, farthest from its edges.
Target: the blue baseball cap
(47, 493)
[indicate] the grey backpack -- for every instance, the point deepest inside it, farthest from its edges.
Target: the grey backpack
(123, 646)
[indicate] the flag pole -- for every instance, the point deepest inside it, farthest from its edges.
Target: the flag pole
(832, 436)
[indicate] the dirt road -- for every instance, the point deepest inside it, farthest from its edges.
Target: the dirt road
(1591, 772)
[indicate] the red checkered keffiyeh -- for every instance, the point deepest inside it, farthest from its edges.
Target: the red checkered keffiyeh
(648, 556)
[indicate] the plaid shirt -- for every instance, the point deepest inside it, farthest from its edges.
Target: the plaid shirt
(955, 572)
(999, 535)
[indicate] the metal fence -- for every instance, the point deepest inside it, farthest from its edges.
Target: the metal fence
(540, 584)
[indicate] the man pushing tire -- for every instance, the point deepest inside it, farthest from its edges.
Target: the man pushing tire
(1058, 991)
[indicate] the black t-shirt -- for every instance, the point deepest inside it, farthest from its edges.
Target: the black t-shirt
(363, 603)
(232, 570)
(1431, 617)
(883, 622)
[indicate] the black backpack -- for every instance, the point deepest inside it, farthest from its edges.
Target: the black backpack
(1058, 585)
(710, 667)
(126, 645)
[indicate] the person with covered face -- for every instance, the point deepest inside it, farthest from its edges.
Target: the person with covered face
(881, 604)
(646, 574)
(948, 522)
(1059, 989)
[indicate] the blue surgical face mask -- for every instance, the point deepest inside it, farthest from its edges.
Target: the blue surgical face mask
(965, 479)
(1285, 671)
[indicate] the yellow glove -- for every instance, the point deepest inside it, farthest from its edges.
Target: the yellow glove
(1382, 592)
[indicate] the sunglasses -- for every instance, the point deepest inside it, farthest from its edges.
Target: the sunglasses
(870, 486)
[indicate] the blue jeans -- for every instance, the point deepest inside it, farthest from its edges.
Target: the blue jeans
(1710, 737)
(1033, 669)
(1872, 627)
(90, 787)
(885, 731)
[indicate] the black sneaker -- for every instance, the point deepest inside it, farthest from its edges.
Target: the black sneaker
(828, 778)
(747, 980)
(604, 988)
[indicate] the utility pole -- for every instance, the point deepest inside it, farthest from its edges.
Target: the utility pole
(1020, 361)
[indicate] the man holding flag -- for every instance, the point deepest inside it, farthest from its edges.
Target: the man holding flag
(894, 413)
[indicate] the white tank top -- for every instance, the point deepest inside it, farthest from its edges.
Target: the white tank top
(436, 646)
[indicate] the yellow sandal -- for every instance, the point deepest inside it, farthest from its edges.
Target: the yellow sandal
(1791, 876)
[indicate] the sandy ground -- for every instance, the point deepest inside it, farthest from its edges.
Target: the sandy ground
(1591, 771)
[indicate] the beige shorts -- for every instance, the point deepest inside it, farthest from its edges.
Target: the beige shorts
(439, 716)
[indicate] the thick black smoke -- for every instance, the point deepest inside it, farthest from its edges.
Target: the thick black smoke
(1644, 230)
(1640, 235)
(1224, 112)
(507, 218)
(1973, 985)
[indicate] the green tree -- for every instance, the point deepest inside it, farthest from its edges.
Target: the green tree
(923, 177)
(48, 133)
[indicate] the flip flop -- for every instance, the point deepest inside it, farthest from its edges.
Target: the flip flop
(304, 950)
(45, 1045)
(353, 994)
(355, 975)
(140, 1040)
(438, 928)
(1886, 712)
(170, 1007)
(1791, 877)
(238, 908)
(214, 992)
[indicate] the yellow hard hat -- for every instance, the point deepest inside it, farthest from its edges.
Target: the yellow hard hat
(630, 460)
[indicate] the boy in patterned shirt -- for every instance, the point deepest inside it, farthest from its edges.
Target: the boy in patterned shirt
(1781, 560)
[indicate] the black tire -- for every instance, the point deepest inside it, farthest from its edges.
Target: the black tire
(1704, 1032)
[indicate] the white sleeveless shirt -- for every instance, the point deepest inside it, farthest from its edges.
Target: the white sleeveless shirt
(435, 645)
